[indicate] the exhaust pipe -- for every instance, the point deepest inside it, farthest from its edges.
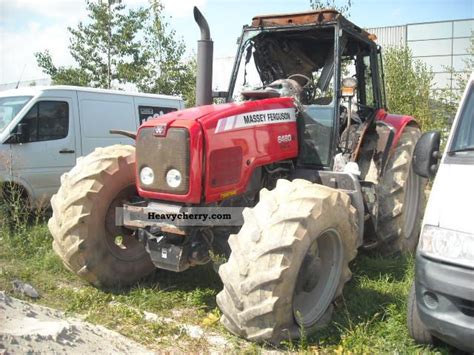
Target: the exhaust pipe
(204, 61)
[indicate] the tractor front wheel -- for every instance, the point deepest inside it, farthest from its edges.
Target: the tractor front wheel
(288, 262)
(83, 224)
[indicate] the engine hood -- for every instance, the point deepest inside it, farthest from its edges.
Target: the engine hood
(209, 115)
(450, 202)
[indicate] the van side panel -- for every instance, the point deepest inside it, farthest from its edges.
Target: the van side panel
(99, 113)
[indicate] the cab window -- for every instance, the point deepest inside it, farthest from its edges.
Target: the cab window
(47, 120)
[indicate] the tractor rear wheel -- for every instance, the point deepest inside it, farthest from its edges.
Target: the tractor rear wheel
(83, 226)
(288, 262)
(401, 198)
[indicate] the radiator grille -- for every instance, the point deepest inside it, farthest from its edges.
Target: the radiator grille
(162, 154)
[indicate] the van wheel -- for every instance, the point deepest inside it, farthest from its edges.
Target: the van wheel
(416, 328)
(83, 223)
(289, 262)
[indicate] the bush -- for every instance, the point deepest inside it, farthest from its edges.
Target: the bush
(409, 88)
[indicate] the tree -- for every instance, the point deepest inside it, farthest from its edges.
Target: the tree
(331, 4)
(118, 46)
(107, 48)
(167, 71)
(62, 75)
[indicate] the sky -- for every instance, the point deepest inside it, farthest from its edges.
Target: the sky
(29, 26)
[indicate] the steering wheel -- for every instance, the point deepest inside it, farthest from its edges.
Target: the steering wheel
(309, 88)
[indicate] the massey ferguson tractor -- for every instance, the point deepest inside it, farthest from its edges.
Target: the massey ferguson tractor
(303, 144)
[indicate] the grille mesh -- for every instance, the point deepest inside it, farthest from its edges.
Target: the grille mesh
(162, 154)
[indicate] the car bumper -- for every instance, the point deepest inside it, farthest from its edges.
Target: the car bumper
(445, 300)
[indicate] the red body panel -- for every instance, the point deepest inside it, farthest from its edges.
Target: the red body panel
(214, 130)
(259, 144)
(399, 122)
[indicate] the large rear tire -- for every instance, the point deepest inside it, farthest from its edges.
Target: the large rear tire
(83, 223)
(288, 262)
(401, 198)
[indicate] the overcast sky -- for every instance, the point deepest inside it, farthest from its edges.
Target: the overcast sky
(28, 26)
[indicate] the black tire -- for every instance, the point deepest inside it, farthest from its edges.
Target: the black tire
(401, 198)
(83, 221)
(288, 262)
(416, 328)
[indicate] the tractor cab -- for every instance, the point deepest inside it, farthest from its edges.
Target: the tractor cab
(314, 52)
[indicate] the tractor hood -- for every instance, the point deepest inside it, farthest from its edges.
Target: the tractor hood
(209, 116)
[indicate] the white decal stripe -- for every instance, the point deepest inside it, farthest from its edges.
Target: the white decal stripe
(220, 125)
(256, 118)
(229, 123)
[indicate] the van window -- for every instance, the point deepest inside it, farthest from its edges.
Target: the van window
(149, 112)
(464, 137)
(9, 107)
(47, 120)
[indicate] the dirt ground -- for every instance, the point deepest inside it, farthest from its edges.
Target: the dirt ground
(30, 328)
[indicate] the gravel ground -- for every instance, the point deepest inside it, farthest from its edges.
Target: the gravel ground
(30, 328)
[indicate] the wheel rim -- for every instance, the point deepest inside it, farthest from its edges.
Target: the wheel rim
(410, 203)
(318, 278)
(120, 241)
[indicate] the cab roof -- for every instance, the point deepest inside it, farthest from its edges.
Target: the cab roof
(314, 17)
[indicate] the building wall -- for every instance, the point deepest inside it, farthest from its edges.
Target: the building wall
(440, 45)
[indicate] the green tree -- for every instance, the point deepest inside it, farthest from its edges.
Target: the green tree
(120, 45)
(167, 71)
(408, 85)
(331, 4)
(62, 75)
(107, 48)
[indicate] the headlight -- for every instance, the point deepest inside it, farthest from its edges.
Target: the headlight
(147, 176)
(173, 178)
(448, 245)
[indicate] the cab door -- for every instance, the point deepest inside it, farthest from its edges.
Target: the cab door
(49, 145)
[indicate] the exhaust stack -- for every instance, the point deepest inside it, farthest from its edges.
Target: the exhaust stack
(204, 61)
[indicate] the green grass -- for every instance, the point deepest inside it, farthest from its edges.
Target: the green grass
(371, 317)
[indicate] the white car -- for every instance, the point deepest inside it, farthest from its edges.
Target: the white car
(441, 303)
(43, 130)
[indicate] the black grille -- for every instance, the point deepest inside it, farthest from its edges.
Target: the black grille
(466, 307)
(162, 154)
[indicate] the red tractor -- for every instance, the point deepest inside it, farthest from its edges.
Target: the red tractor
(314, 161)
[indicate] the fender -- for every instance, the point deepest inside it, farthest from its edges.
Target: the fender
(399, 122)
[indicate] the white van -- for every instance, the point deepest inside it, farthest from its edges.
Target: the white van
(441, 303)
(43, 130)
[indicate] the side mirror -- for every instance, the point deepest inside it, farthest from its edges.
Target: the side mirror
(427, 155)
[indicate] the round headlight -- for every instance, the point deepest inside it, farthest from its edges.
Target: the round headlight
(147, 176)
(173, 178)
